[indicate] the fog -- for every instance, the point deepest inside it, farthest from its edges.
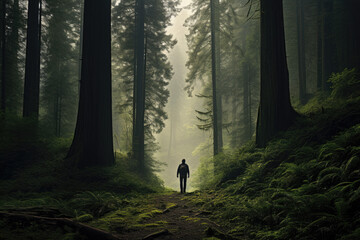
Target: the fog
(181, 138)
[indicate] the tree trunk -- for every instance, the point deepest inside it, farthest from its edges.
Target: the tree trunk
(93, 140)
(32, 64)
(81, 23)
(139, 83)
(3, 56)
(347, 34)
(328, 49)
(246, 102)
(215, 75)
(319, 46)
(251, 74)
(275, 111)
(301, 50)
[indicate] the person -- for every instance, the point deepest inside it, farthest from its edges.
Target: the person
(183, 170)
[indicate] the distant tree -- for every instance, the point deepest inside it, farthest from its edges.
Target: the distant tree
(60, 87)
(328, 46)
(93, 139)
(32, 64)
(12, 57)
(239, 64)
(3, 54)
(319, 75)
(346, 35)
(139, 86)
(215, 76)
(204, 26)
(156, 73)
(301, 50)
(275, 111)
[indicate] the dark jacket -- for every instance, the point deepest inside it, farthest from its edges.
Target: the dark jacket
(183, 170)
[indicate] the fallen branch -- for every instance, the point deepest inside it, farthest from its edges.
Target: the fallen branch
(90, 232)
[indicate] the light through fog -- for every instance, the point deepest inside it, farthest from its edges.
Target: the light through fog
(180, 138)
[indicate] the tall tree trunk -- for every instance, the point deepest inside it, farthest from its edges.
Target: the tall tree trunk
(3, 56)
(301, 50)
(93, 140)
(215, 75)
(347, 34)
(134, 97)
(246, 102)
(319, 45)
(12, 77)
(139, 84)
(251, 74)
(328, 48)
(275, 111)
(32, 64)
(81, 27)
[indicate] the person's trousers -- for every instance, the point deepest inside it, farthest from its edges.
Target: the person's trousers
(183, 184)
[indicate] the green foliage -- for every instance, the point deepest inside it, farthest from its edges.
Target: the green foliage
(304, 185)
(345, 84)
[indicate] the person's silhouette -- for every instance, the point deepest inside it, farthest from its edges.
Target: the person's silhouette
(184, 172)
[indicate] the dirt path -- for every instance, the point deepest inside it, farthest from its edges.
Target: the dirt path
(181, 220)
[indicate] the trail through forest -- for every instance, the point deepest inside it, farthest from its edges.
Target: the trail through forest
(182, 219)
(167, 215)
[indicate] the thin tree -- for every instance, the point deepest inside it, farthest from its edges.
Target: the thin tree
(328, 47)
(215, 76)
(3, 55)
(275, 111)
(319, 74)
(247, 101)
(32, 63)
(301, 50)
(93, 140)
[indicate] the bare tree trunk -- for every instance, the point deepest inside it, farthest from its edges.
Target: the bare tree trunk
(93, 140)
(301, 51)
(328, 49)
(319, 45)
(215, 73)
(275, 111)
(139, 134)
(246, 102)
(3, 56)
(32, 64)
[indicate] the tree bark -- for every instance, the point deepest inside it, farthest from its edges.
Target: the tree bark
(215, 75)
(301, 50)
(3, 56)
(347, 34)
(319, 45)
(32, 64)
(328, 48)
(246, 102)
(275, 111)
(93, 140)
(139, 83)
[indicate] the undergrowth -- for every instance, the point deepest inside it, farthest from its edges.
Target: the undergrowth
(305, 184)
(33, 173)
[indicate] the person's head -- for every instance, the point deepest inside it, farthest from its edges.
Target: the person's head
(183, 161)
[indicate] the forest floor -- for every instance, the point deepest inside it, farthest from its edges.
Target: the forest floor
(168, 215)
(180, 219)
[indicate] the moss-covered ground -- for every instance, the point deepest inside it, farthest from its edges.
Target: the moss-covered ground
(305, 184)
